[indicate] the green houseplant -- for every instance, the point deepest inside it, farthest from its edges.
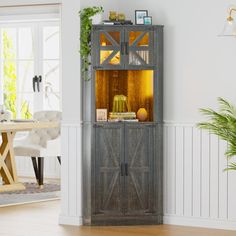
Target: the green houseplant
(223, 124)
(85, 37)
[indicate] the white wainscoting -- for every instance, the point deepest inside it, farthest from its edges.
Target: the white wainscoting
(25, 167)
(197, 191)
(71, 182)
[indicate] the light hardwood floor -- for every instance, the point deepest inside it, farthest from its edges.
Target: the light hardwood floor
(41, 219)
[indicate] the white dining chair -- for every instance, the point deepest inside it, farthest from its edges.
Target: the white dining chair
(40, 143)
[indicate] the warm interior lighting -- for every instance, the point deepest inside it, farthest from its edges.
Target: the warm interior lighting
(144, 41)
(136, 85)
(230, 25)
(104, 54)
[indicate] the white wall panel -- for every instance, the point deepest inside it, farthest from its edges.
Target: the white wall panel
(179, 170)
(71, 205)
(196, 171)
(196, 189)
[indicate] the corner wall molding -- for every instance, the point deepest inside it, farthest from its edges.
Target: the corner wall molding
(199, 222)
(65, 220)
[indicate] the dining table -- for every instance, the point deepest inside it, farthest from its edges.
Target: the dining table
(8, 171)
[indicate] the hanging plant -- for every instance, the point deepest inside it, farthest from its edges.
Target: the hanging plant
(85, 37)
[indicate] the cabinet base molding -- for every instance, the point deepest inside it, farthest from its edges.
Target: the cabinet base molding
(128, 220)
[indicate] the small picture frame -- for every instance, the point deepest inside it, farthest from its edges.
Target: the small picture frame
(147, 20)
(101, 114)
(139, 15)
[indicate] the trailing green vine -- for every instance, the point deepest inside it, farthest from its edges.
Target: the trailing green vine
(85, 37)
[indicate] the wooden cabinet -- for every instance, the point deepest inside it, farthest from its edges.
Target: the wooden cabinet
(109, 159)
(124, 172)
(123, 47)
(122, 161)
(139, 160)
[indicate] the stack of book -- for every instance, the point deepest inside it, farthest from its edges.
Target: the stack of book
(122, 116)
(122, 22)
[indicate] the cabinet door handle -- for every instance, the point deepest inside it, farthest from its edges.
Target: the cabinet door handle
(122, 169)
(126, 169)
(122, 48)
(126, 48)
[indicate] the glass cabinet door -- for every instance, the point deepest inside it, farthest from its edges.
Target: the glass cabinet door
(139, 47)
(110, 48)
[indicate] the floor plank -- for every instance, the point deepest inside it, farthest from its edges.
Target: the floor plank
(42, 219)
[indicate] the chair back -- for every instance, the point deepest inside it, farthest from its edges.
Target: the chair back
(41, 136)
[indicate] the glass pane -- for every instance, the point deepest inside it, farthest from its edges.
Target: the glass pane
(8, 46)
(25, 43)
(51, 101)
(25, 105)
(144, 40)
(115, 60)
(135, 60)
(51, 42)
(9, 85)
(106, 41)
(51, 76)
(10, 102)
(25, 76)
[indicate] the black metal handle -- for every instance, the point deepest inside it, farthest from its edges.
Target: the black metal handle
(34, 79)
(122, 169)
(126, 169)
(126, 48)
(37, 84)
(122, 48)
(39, 80)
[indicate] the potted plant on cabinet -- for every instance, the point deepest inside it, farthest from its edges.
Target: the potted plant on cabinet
(88, 16)
(223, 124)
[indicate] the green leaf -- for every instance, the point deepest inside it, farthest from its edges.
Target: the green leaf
(223, 124)
(85, 32)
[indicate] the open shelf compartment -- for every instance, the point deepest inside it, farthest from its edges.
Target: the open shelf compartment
(135, 85)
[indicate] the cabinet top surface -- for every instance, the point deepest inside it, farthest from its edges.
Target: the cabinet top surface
(132, 26)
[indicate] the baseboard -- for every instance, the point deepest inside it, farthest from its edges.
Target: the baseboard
(200, 222)
(69, 220)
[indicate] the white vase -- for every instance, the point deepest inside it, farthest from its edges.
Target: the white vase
(97, 19)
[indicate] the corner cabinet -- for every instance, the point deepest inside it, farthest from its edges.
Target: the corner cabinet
(123, 161)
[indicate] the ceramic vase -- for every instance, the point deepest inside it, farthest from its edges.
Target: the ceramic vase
(142, 114)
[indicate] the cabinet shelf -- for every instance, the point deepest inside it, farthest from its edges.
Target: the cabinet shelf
(136, 85)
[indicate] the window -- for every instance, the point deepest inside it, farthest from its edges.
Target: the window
(30, 49)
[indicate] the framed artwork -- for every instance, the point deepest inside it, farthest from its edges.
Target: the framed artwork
(147, 20)
(101, 114)
(139, 15)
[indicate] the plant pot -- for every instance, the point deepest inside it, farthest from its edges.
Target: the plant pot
(97, 19)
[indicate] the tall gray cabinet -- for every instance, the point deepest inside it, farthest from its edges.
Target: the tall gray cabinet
(123, 161)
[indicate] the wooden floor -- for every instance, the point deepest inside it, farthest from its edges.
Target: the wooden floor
(41, 219)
